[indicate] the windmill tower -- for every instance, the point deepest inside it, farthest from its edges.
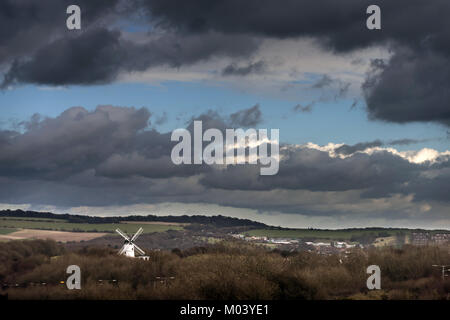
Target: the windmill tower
(129, 247)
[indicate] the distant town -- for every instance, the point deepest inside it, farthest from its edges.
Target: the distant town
(333, 247)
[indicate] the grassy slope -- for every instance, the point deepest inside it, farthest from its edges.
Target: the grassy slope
(7, 230)
(66, 226)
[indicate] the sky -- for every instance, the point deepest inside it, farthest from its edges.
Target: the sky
(364, 117)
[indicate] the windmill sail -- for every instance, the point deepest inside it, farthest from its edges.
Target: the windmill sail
(139, 250)
(137, 234)
(123, 234)
(122, 250)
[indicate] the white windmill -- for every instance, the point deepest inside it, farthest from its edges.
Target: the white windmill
(129, 247)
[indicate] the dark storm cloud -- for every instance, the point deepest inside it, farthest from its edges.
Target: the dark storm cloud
(411, 86)
(77, 139)
(115, 142)
(66, 60)
(340, 25)
(26, 25)
(381, 174)
(36, 47)
(110, 156)
(283, 19)
(98, 55)
(251, 68)
(315, 170)
(435, 187)
(109, 140)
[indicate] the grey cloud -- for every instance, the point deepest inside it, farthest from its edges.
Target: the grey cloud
(346, 149)
(361, 146)
(210, 119)
(161, 119)
(247, 118)
(55, 148)
(406, 141)
(323, 82)
(354, 104)
(135, 164)
(251, 68)
(304, 108)
(343, 89)
(326, 82)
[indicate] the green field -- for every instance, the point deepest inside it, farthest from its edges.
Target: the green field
(61, 225)
(345, 234)
(7, 230)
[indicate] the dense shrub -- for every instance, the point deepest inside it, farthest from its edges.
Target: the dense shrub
(228, 270)
(18, 257)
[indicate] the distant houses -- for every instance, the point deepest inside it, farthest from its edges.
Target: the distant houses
(332, 247)
(320, 247)
(283, 241)
(425, 238)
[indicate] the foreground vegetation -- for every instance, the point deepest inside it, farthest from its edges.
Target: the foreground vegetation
(226, 270)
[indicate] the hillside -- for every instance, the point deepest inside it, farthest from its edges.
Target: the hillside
(218, 221)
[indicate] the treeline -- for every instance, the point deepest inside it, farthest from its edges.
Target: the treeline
(228, 270)
(218, 221)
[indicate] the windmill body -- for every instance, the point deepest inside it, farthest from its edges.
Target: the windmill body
(129, 248)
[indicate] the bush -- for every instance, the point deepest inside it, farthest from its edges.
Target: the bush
(227, 270)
